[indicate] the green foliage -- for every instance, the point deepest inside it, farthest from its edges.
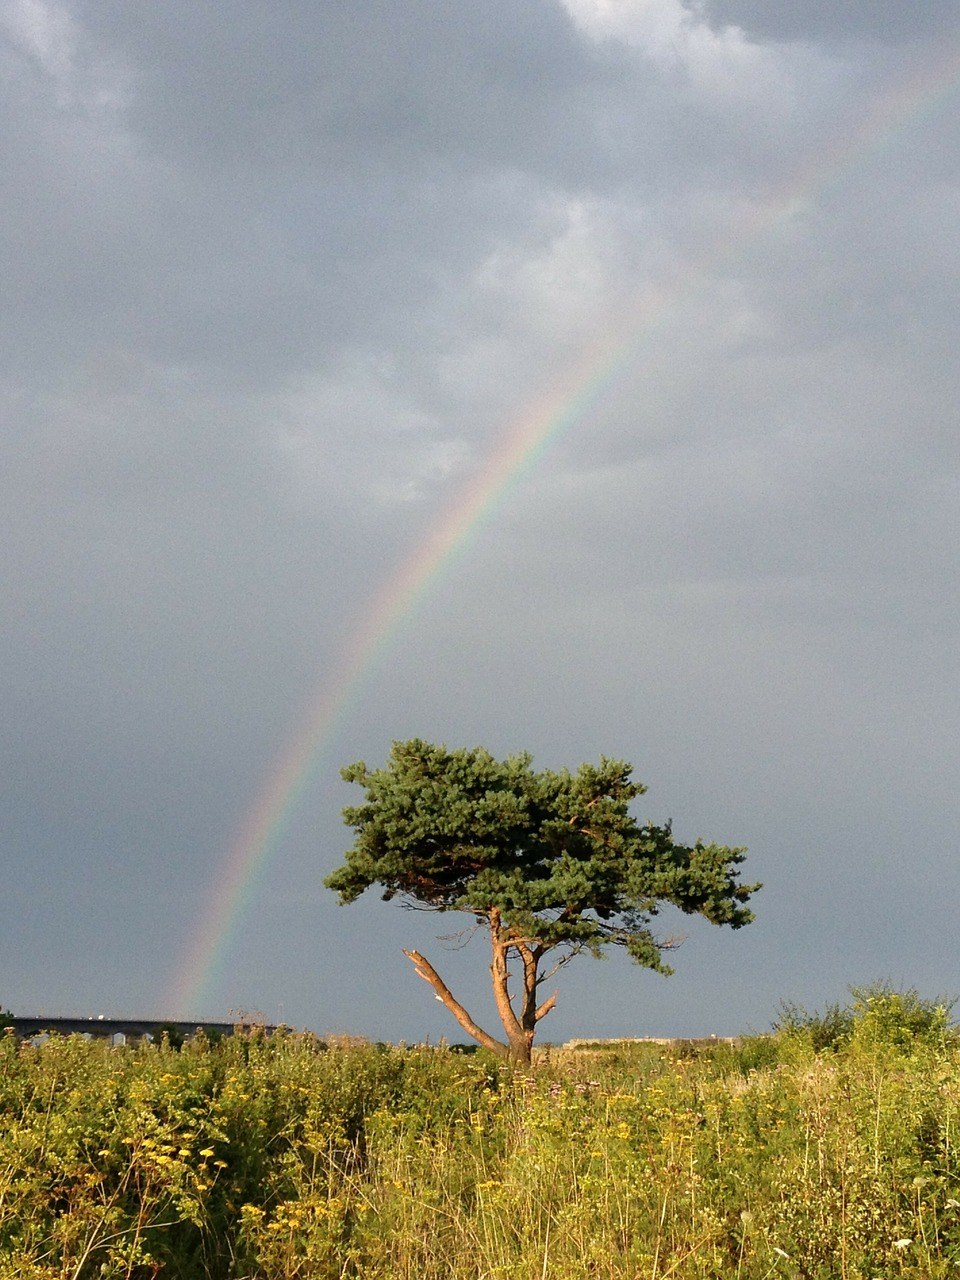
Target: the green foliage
(264, 1158)
(558, 854)
(744, 1055)
(829, 1029)
(900, 1019)
(171, 1034)
(145, 1160)
(877, 1015)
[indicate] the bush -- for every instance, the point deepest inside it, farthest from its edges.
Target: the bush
(899, 1019)
(753, 1053)
(171, 1035)
(878, 1015)
(829, 1030)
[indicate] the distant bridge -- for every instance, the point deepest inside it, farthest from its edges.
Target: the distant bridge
(119, 1030)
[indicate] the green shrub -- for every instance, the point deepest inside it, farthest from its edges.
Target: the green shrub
(750, 1053)
(877, 1015)
(899, 1019)
(829, 1030)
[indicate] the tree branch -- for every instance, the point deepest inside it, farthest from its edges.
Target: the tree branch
(428, 973)
(544, 1009)
(564, 959)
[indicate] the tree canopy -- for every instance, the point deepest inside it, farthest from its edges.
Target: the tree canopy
(552, 863)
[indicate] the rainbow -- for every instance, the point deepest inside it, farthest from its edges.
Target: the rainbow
(523, 443)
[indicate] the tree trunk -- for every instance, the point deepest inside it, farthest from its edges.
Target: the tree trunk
(500, 976)
(518, 1030)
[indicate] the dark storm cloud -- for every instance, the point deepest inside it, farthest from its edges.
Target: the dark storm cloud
(306, 85)
(268, 190)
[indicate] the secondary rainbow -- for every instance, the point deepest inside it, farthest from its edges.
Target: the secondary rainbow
(523, 442)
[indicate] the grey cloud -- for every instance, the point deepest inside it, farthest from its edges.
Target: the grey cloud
(314, 86)
(278, 286)
(836, 21)
(174, 213)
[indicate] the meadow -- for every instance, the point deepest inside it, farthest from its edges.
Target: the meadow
(826, 1149)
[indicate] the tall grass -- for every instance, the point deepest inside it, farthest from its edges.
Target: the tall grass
(283, 1158)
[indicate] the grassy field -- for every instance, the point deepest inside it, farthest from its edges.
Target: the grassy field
(825, 1150)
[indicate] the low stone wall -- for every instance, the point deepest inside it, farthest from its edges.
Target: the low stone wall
(670, 1042)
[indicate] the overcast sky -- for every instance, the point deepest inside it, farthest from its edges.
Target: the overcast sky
(278, 279)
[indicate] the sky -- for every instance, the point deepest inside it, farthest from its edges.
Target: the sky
(281, 285)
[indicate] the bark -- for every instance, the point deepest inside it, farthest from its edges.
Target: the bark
(544, 1009)
(528, 1012)
(520, 1030)
(500, 945)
